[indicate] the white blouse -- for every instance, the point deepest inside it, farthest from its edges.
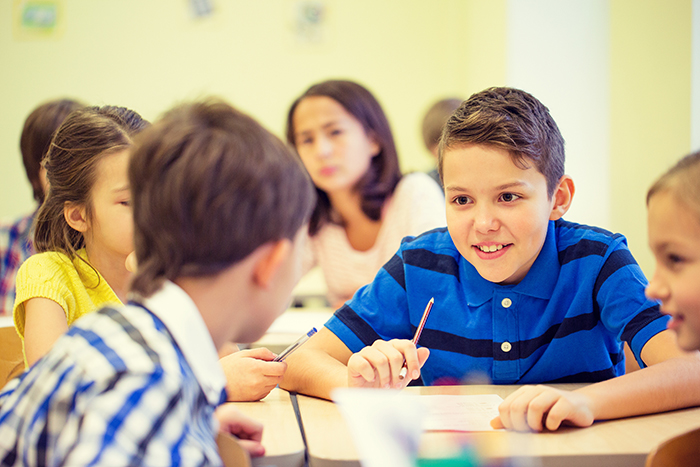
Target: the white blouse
(417, 205)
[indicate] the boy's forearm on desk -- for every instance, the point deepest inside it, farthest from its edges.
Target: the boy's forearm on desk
(314, 373)
(668, 385)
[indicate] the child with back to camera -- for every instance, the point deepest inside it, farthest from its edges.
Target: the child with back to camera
(365, 207)
(220, 208)
(673, 203)
(83, 230)
(16, 238)
(520, 294)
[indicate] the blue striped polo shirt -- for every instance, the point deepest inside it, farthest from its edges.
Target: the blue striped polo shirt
(564, 322)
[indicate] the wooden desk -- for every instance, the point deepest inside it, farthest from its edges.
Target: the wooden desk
(281, 436)
(10, 350)
(623, 442)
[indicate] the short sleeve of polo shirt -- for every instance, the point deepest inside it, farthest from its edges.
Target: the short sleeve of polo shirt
(619, 294)
(384, 309)
(378, 310)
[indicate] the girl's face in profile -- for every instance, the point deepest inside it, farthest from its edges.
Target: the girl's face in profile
(111, 225)
(674, 238)
(332, 143)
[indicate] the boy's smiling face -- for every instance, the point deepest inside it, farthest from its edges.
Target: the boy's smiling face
(497, 212)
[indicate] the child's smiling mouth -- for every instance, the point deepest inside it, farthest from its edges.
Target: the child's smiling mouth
(491, 251)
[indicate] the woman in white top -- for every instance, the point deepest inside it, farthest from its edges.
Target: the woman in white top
(365, 207)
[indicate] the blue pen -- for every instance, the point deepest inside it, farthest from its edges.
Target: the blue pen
(285, 353)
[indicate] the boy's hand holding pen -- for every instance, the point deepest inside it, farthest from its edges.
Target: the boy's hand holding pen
(389, 364)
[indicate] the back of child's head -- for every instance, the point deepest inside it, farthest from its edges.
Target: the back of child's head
(82, 140)
(683, 181)
(384, 172)
(434, 121)
(209, 186)
(39, 128)
(513, 120)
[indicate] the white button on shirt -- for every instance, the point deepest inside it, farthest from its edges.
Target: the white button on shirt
(506, 345)
(506, 302)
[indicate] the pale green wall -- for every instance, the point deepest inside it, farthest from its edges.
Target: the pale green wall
(650, 82)
(149, 55)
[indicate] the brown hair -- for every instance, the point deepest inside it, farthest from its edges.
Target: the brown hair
(209, 186)
(435, 118)
(39, 128)
(513, 120)
(80, 142)
(683, 180)
(384, 172)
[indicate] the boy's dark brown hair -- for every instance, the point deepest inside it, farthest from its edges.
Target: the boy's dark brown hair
(39, 128)
(209, 186)
(384, 173)
(434, 120)
(513, 120)
(683, 181)
(82, 140)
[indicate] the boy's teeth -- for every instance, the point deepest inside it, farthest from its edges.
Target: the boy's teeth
(490, 249)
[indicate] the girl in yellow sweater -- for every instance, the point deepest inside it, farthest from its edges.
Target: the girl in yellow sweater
(83, 230)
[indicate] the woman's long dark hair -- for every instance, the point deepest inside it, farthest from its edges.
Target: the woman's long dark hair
(380, 180)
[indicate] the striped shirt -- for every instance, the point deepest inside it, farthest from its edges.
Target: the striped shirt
(564, 322)
(15, 246)
(130, 385)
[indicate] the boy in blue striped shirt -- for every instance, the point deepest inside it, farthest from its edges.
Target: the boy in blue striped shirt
(521, 295)
(219, 204)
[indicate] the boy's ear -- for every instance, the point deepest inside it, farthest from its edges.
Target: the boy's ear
(270, 261)
(76, 216)
(562, 197)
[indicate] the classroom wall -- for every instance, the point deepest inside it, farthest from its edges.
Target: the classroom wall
(151, 55)
(650, 87)
(616, 74)
(695, 76)
(559, 52)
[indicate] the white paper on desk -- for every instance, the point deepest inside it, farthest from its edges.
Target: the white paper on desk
(299, 322)
(385, 425)
(460, 412)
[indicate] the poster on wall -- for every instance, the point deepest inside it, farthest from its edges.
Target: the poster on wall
(37, 19)
(309, 22)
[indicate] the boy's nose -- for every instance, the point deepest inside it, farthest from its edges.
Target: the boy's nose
(657, 288)
(485, 220)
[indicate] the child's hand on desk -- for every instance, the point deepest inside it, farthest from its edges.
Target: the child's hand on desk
(251, 374)
(534, 408)
(247, 430)
(379, 365)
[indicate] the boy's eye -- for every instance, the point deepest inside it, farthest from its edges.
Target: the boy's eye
(336, 132)
(461, 200)
(125, 203)
(509, 197)
(674, 259)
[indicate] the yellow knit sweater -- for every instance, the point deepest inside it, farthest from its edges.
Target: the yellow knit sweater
(74, 285)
